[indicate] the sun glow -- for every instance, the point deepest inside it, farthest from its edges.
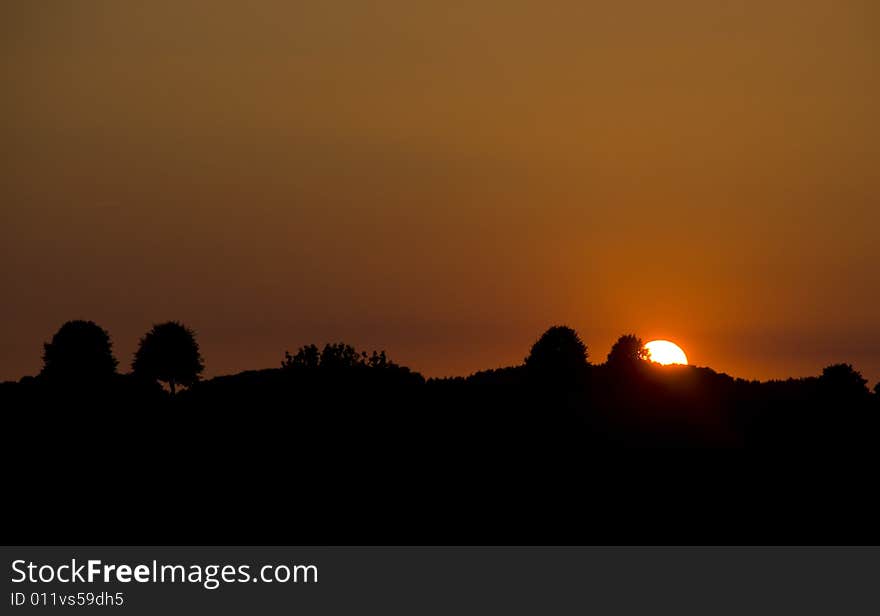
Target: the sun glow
(665, 353)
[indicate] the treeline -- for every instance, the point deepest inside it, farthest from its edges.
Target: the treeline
(339, 446)
(556, 393)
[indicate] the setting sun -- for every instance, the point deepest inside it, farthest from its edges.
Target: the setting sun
(665, 353)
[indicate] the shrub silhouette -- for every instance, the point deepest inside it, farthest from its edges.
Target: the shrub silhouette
(380, 360)
(170, 354)
(558, 355)
(335, 357)
(628, 350)
(341, 356)
(307, 357)
(79, 351)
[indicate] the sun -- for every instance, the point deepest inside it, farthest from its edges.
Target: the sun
(665, 353)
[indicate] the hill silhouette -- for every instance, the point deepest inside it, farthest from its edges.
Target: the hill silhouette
(340, 446)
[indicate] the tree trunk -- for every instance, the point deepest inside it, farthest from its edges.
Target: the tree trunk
(173, 387)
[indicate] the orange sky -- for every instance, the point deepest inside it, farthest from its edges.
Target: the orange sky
(445, 182)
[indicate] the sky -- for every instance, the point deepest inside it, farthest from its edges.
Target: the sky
(444, 181)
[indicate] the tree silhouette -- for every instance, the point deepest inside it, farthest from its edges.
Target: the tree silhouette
(844, 382)
(79, 351)
(558, 355)
(170, 354)
(628, 350)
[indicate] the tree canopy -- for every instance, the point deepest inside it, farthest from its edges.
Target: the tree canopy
(628, 350)
(169, 353)
(842, 380)
(79, 351)
(559, 354)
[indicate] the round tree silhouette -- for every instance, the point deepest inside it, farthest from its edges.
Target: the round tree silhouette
(844, 382)
(80, 351)
(559, 355)
(169, 353)
(627, 351)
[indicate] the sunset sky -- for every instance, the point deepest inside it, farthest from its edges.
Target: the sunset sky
(445, 180)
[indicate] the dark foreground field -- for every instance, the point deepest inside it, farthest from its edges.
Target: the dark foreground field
(633, 453)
